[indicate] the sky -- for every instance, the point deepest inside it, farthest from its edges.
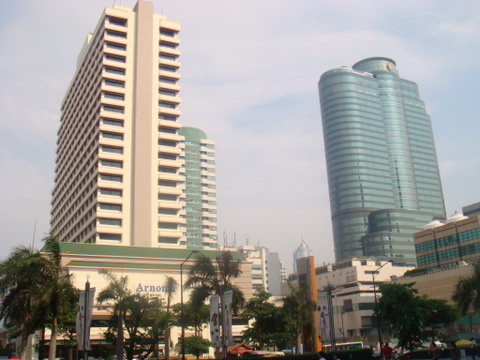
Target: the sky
(249, 79)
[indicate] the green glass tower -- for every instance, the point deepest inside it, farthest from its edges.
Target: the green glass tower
(384, 182)
(200, 192)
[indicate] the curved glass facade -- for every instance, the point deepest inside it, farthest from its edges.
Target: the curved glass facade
(380, 155)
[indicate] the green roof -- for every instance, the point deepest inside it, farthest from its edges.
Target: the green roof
(133, 251)
(123, 265)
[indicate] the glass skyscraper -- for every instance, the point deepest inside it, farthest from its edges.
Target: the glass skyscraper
(383, 176)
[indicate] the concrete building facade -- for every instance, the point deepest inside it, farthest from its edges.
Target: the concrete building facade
(353, 286)
(444, 245)
(120, 175)
(267, 270)
(200, 189)
(383, 176)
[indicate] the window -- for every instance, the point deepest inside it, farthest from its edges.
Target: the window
(117, 34)
(114, 83)
(167, 56)
(167, 156)
(168, 44)
(116, 46)
(167, 104)
(167, 143)
(111, 163)
(114, 70)
(167, 170)
(167, 92)
(167, 68)
(167, 197)
(167, 80)
(114, 96)
(167, 117)
(110, 192)
(112, 149)
(164, 211)
(107, 221)
(167, 130)
(104, 236)
(112, 122)
(108, 177)
(167, 240)
(117, 21)
(116, 58)
(115, 109)
(113, 136)
(167, 183)
(168, 226)
(167, 32)
(110, 207)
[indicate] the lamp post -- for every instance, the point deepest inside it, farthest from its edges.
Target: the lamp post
(379, 327)
(181, 302)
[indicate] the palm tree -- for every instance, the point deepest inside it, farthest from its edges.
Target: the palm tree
(298, 314)
(467, 292)
(208, 278)
(118, 293)
(21, 286)
(170, 285)
(58, 290)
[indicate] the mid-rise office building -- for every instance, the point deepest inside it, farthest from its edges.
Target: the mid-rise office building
(384, 182)
(441, 245)
(120, 176)
(349, 289)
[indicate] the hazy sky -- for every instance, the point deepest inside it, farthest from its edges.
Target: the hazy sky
(249, 79)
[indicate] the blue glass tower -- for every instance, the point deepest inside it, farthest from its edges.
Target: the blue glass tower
(383, 175)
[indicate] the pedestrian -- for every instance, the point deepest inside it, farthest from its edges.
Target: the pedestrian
(321, 355)
(454, 352)
(435, 351)
(387, 352)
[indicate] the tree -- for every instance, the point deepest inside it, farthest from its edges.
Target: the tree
(170, 284)
(117, 293)
(196, 345)
(22, 310)
(194, 316)
(410, 315)
(467, 292)
(208, 278)
(439, 314)
(297, 314)
(58, 291)
(264, 330)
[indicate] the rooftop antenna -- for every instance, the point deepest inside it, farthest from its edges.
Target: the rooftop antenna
(34, 231)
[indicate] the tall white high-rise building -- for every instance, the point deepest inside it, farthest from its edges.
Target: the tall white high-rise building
(120, 176)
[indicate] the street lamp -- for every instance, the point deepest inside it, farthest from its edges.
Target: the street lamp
(379, 327)
(181, 302)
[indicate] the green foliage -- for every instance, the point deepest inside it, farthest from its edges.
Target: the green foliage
(141, 324)
(297, 316)
(195, 316)
(196, 345)
(208, 278)
(467, 292)
(410, 315)
(37, 292)
(264, 330)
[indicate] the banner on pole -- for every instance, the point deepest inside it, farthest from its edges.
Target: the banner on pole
(215, 322)
(227, 317)
(84, 319)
